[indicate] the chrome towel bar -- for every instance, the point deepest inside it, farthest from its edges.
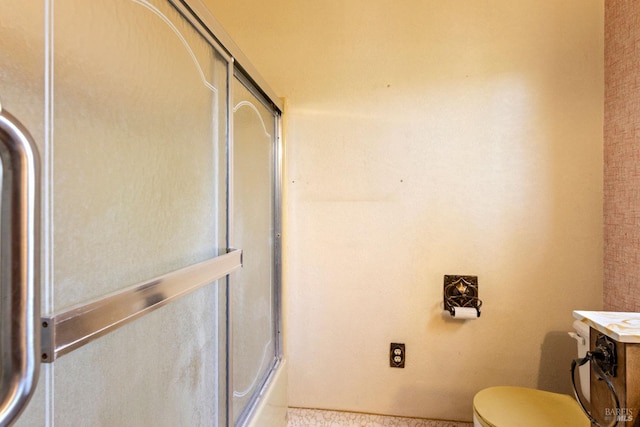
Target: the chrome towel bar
(79, 325)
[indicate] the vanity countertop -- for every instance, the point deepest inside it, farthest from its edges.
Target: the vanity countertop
(621, 326)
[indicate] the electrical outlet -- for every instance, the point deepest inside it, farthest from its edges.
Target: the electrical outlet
(397, 355)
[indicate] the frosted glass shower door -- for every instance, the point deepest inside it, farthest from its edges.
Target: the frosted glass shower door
(128, 103)
(255, 289)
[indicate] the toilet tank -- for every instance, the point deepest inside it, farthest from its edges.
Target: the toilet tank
(582, 337)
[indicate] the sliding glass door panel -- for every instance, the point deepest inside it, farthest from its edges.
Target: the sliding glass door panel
(253, 290)
(128, 102)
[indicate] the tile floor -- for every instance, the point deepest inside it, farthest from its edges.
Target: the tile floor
(299, 417)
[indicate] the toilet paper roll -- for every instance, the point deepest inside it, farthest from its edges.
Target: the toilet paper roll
(465, 313)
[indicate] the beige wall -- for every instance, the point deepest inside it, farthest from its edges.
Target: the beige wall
(428, 138)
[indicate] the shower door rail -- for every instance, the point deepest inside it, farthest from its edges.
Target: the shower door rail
(20, 294)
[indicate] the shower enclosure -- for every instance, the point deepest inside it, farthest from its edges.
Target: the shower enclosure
(154, 256)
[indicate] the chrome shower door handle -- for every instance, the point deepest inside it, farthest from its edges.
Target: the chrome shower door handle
(19, 268)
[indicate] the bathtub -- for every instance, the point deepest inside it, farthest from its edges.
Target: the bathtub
(271, 409)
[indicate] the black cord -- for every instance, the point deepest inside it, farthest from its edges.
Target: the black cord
(592, 357)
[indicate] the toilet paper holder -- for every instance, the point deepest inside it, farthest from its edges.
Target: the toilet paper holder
(461, 291)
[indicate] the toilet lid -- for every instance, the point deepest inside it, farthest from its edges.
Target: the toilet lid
(526, 407)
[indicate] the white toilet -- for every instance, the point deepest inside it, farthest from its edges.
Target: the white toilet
(505, 406)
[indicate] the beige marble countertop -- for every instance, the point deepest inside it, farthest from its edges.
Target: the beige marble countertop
(621, 326)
